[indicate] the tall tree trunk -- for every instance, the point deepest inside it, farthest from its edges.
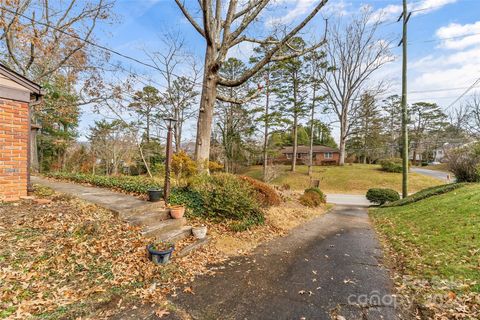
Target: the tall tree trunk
(147, 130)
(343, 138)
(267, 122)
(295, 133)
(205, 115)
(310, 162)
(295, 141)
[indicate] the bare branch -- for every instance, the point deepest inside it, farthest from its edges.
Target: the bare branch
(190, 18)
(239, 101)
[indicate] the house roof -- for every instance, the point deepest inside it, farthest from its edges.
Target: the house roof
(306, 149)
(17, 87)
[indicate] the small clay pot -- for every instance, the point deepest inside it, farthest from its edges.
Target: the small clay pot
(177, 212)
(199, 232)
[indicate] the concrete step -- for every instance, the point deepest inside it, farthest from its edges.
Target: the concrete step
(192, 247)
(176, 235)
(160, 228)
(147, 207)
(148, 218)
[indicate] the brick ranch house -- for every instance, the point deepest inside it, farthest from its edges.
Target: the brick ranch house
(17, 94)
(322, 155)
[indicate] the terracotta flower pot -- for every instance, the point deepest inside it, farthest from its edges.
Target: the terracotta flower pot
(177, 212)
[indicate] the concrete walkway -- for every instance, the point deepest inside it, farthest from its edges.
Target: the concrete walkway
(115, 201)
(328, 267)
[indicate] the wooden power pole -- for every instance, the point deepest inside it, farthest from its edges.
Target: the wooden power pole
(405, 15)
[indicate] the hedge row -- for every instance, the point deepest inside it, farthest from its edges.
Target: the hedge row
(425, 193)
(381, 196)
(133, 184)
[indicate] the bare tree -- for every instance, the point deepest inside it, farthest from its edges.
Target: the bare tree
(354, 53)
(223, 25)
(473, 112)
(41, 38)
(181, 92)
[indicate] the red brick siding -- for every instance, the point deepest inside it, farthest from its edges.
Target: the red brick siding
(13, 149)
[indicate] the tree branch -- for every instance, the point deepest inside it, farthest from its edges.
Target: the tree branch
(190, 18)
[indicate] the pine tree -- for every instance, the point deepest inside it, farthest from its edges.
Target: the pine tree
(367, 139)
(292, 92)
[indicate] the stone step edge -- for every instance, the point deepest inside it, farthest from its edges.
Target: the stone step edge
(192, 247)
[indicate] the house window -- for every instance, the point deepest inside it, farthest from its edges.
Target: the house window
(299, 155)
(328, 155)
(289, 155)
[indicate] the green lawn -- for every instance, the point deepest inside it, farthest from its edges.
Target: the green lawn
(356, 178)
(436, 237)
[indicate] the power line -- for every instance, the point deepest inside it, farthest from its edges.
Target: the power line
(463, 94)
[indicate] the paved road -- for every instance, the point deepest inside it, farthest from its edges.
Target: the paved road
(433, 173)
(327, 267)
(348, 199)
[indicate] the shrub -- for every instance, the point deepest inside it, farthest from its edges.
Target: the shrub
(191, 199)
(225, 196)
(322, 195)
(391, 165)
(183, 166)
(312, 197)
(381, 196)
(425, 193)
(266, 195)
(132, 184)
(464, 163)
(214, 166)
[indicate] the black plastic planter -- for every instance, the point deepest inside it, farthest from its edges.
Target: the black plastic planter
(154, 195)
(159, 257)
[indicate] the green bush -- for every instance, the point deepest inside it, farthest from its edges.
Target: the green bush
(312, 197)
(391, 165)
(381, 196)
(191, 199)
(225, 196)
(425, 193)
(133, 184)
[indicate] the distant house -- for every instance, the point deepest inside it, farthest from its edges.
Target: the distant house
(17, 94)
(441, 152)
(322, 155)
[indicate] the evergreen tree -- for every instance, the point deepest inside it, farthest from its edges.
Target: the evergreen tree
(367, 139)
(392, 126)
(292, 91)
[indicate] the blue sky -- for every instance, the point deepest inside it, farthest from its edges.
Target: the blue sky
(434, 64)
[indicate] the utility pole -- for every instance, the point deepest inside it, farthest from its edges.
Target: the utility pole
(405, 15)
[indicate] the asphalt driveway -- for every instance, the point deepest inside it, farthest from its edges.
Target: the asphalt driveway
(328, 268)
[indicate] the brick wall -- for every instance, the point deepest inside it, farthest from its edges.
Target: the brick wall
(13, 149)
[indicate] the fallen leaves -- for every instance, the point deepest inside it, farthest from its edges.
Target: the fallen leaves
(67, 252)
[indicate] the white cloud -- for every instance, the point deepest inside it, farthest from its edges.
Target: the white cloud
(393, 11)
(458, 34)
(299, 9)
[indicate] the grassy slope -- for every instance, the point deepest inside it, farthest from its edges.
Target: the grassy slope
(357, 178)
(438, 236)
